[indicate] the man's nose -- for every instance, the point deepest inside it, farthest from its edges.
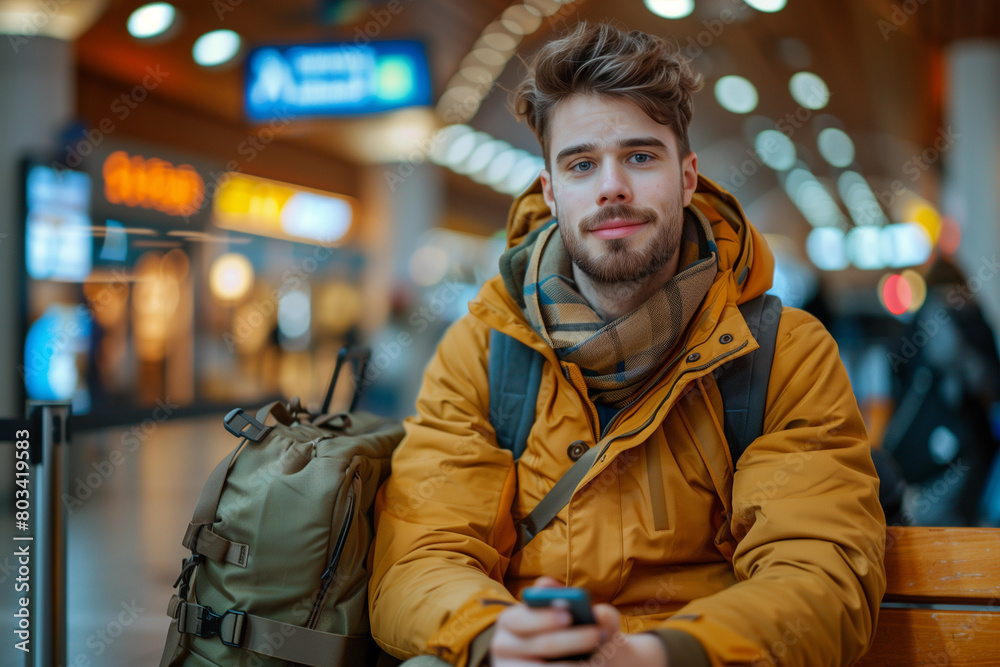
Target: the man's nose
(614, 186)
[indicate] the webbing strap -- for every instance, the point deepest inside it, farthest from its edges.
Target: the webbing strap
(743, 382)
(515, 375)
(200, 539)
(557, 498)
(256, 633)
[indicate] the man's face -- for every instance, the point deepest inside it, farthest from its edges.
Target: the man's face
(617, 187)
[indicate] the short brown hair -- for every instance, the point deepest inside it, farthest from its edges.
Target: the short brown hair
(604, 60)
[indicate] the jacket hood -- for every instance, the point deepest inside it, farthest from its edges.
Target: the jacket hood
(742, 247)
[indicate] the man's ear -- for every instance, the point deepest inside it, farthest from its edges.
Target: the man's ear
(547, 193)
(689, 176)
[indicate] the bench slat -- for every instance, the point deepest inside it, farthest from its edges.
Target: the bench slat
(908, 637)
(946, 565)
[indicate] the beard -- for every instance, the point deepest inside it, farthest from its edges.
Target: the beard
(618, 263)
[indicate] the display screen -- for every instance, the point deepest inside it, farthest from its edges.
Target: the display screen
(335, 79)
(58, 244)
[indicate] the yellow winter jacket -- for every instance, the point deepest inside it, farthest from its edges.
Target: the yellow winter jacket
(779, 561)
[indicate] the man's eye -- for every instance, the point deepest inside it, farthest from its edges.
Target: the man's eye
(641, 158)
(583, 166)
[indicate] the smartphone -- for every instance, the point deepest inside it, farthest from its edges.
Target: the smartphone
(576, 600)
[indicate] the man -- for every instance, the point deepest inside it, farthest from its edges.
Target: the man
(631, 296)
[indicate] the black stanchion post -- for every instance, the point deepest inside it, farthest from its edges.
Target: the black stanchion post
(49, 599)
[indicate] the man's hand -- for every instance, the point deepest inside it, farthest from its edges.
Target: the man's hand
(526, 636)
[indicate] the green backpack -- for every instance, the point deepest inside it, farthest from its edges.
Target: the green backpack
(279, 541)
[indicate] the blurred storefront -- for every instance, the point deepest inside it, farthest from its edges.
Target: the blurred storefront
(151, 279)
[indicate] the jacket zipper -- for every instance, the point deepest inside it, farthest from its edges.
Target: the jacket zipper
(649, 388)
(327, 576)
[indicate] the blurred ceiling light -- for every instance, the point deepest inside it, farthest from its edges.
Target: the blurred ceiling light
(477, 74)
(500, 41)
(904, 244)
(812, 199)
(462, 148)
(809, 90)
(216, 48)
(500, 167)
(151, 20)
(670, 9)
(826, 248)
(494, 48)
(483, 154)
(443, 139)
(736, 94)
(457, 95)
(490, 57)
(521, 19)
(775, 149)
(857, 195)
(544, 7)
(523, 174)
(864, 248)
(836, 147)
(230, 276)
(767, 5)
(484, 159)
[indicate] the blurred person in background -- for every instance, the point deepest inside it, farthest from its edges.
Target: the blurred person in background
(947, 384)
(631, 296)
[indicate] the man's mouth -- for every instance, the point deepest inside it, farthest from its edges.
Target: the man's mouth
(617, 228)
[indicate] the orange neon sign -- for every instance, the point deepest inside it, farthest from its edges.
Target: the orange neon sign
(152, 183)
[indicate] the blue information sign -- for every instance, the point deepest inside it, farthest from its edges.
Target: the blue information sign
(335, 79)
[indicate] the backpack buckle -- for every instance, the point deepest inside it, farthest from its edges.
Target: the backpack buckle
(228, 626)
(243, 425)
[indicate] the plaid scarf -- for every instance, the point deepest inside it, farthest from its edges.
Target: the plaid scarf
(617, 358)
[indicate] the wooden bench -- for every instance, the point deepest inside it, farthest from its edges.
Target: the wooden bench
(957, 568)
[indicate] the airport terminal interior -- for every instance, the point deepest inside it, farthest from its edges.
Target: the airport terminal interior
(202, 202)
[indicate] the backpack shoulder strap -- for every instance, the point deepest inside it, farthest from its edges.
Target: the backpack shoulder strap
(743, 383)
(515, 373)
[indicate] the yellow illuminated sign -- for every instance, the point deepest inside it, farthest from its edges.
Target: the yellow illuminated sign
(133, 180)
(260, 206)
